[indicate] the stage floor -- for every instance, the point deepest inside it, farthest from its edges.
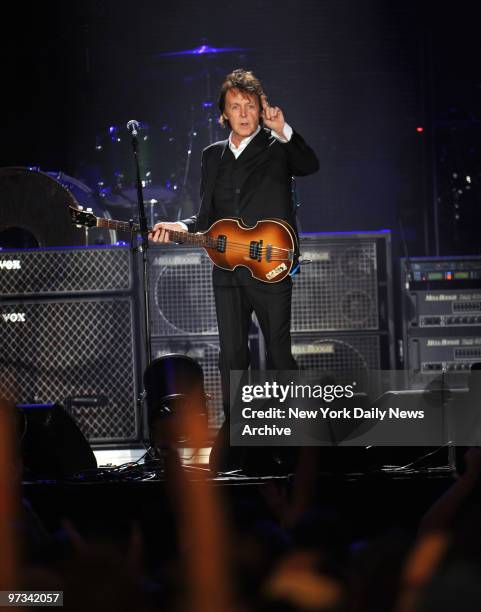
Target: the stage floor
(120, 456)
(368, 503)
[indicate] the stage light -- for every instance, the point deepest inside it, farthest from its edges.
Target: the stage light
(419, 129)
(176, 400)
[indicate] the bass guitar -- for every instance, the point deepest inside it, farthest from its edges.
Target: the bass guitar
(268, 249)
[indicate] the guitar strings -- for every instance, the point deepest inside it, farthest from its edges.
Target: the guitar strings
(232, 246)
(247, 247)
(243, 244)
(278, 256)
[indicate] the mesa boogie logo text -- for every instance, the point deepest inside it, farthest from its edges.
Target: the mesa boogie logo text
(14, 317)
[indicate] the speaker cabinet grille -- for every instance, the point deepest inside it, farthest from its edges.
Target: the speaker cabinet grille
(343, 356)
(90, 270)
(339, 289)
(182, 299)
(53, 350)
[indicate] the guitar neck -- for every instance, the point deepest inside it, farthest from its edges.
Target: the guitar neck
(122, 226)
(181, 237)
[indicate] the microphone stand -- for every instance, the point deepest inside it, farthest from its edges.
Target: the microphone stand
(133, 126)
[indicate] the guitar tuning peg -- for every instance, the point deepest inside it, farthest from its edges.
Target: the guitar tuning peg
(88, 210)
(80, 207)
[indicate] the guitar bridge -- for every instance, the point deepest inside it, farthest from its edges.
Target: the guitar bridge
(289, 253)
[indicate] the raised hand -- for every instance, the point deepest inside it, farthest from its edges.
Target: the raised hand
(272, 116)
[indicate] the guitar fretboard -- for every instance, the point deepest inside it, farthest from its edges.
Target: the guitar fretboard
(175, 236)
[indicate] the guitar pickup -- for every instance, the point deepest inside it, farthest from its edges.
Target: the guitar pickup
(221, 243)
(255, 250)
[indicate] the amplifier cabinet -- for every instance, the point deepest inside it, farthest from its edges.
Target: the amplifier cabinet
(443, 309)
(341, 356)
(338, 355)
(181, 294)
(441, 318)
(347, 284)
(438, 354)
(65, 271)
(76, 351)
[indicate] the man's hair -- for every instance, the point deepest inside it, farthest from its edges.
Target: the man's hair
(241, 79)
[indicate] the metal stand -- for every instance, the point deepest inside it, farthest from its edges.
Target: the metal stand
(133, 126)
(445, 400)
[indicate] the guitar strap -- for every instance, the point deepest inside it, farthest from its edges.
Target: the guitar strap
(296, 268)
(294, 196)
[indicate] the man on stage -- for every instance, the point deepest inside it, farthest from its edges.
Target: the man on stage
(249, 176)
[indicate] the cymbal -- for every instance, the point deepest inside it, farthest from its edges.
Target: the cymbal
(203, 50)
(153, 194)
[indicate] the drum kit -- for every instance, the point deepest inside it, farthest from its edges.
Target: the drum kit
(166, 155)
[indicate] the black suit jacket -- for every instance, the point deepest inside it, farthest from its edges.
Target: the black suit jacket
(264, 179)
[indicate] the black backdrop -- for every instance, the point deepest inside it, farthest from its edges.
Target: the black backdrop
(354, 77)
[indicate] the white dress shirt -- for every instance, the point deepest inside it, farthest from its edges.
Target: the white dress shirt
(245, 141)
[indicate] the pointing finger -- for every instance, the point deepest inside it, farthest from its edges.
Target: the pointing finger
(264, 102)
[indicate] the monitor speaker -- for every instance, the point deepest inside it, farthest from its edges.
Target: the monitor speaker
(52, 445)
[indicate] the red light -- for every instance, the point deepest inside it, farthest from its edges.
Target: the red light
(420, 129)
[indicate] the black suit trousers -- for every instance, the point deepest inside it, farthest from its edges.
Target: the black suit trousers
(235, 305)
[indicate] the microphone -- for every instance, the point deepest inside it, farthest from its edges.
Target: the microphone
(133, 126)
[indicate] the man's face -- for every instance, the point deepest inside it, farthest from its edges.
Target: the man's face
(243, 112)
